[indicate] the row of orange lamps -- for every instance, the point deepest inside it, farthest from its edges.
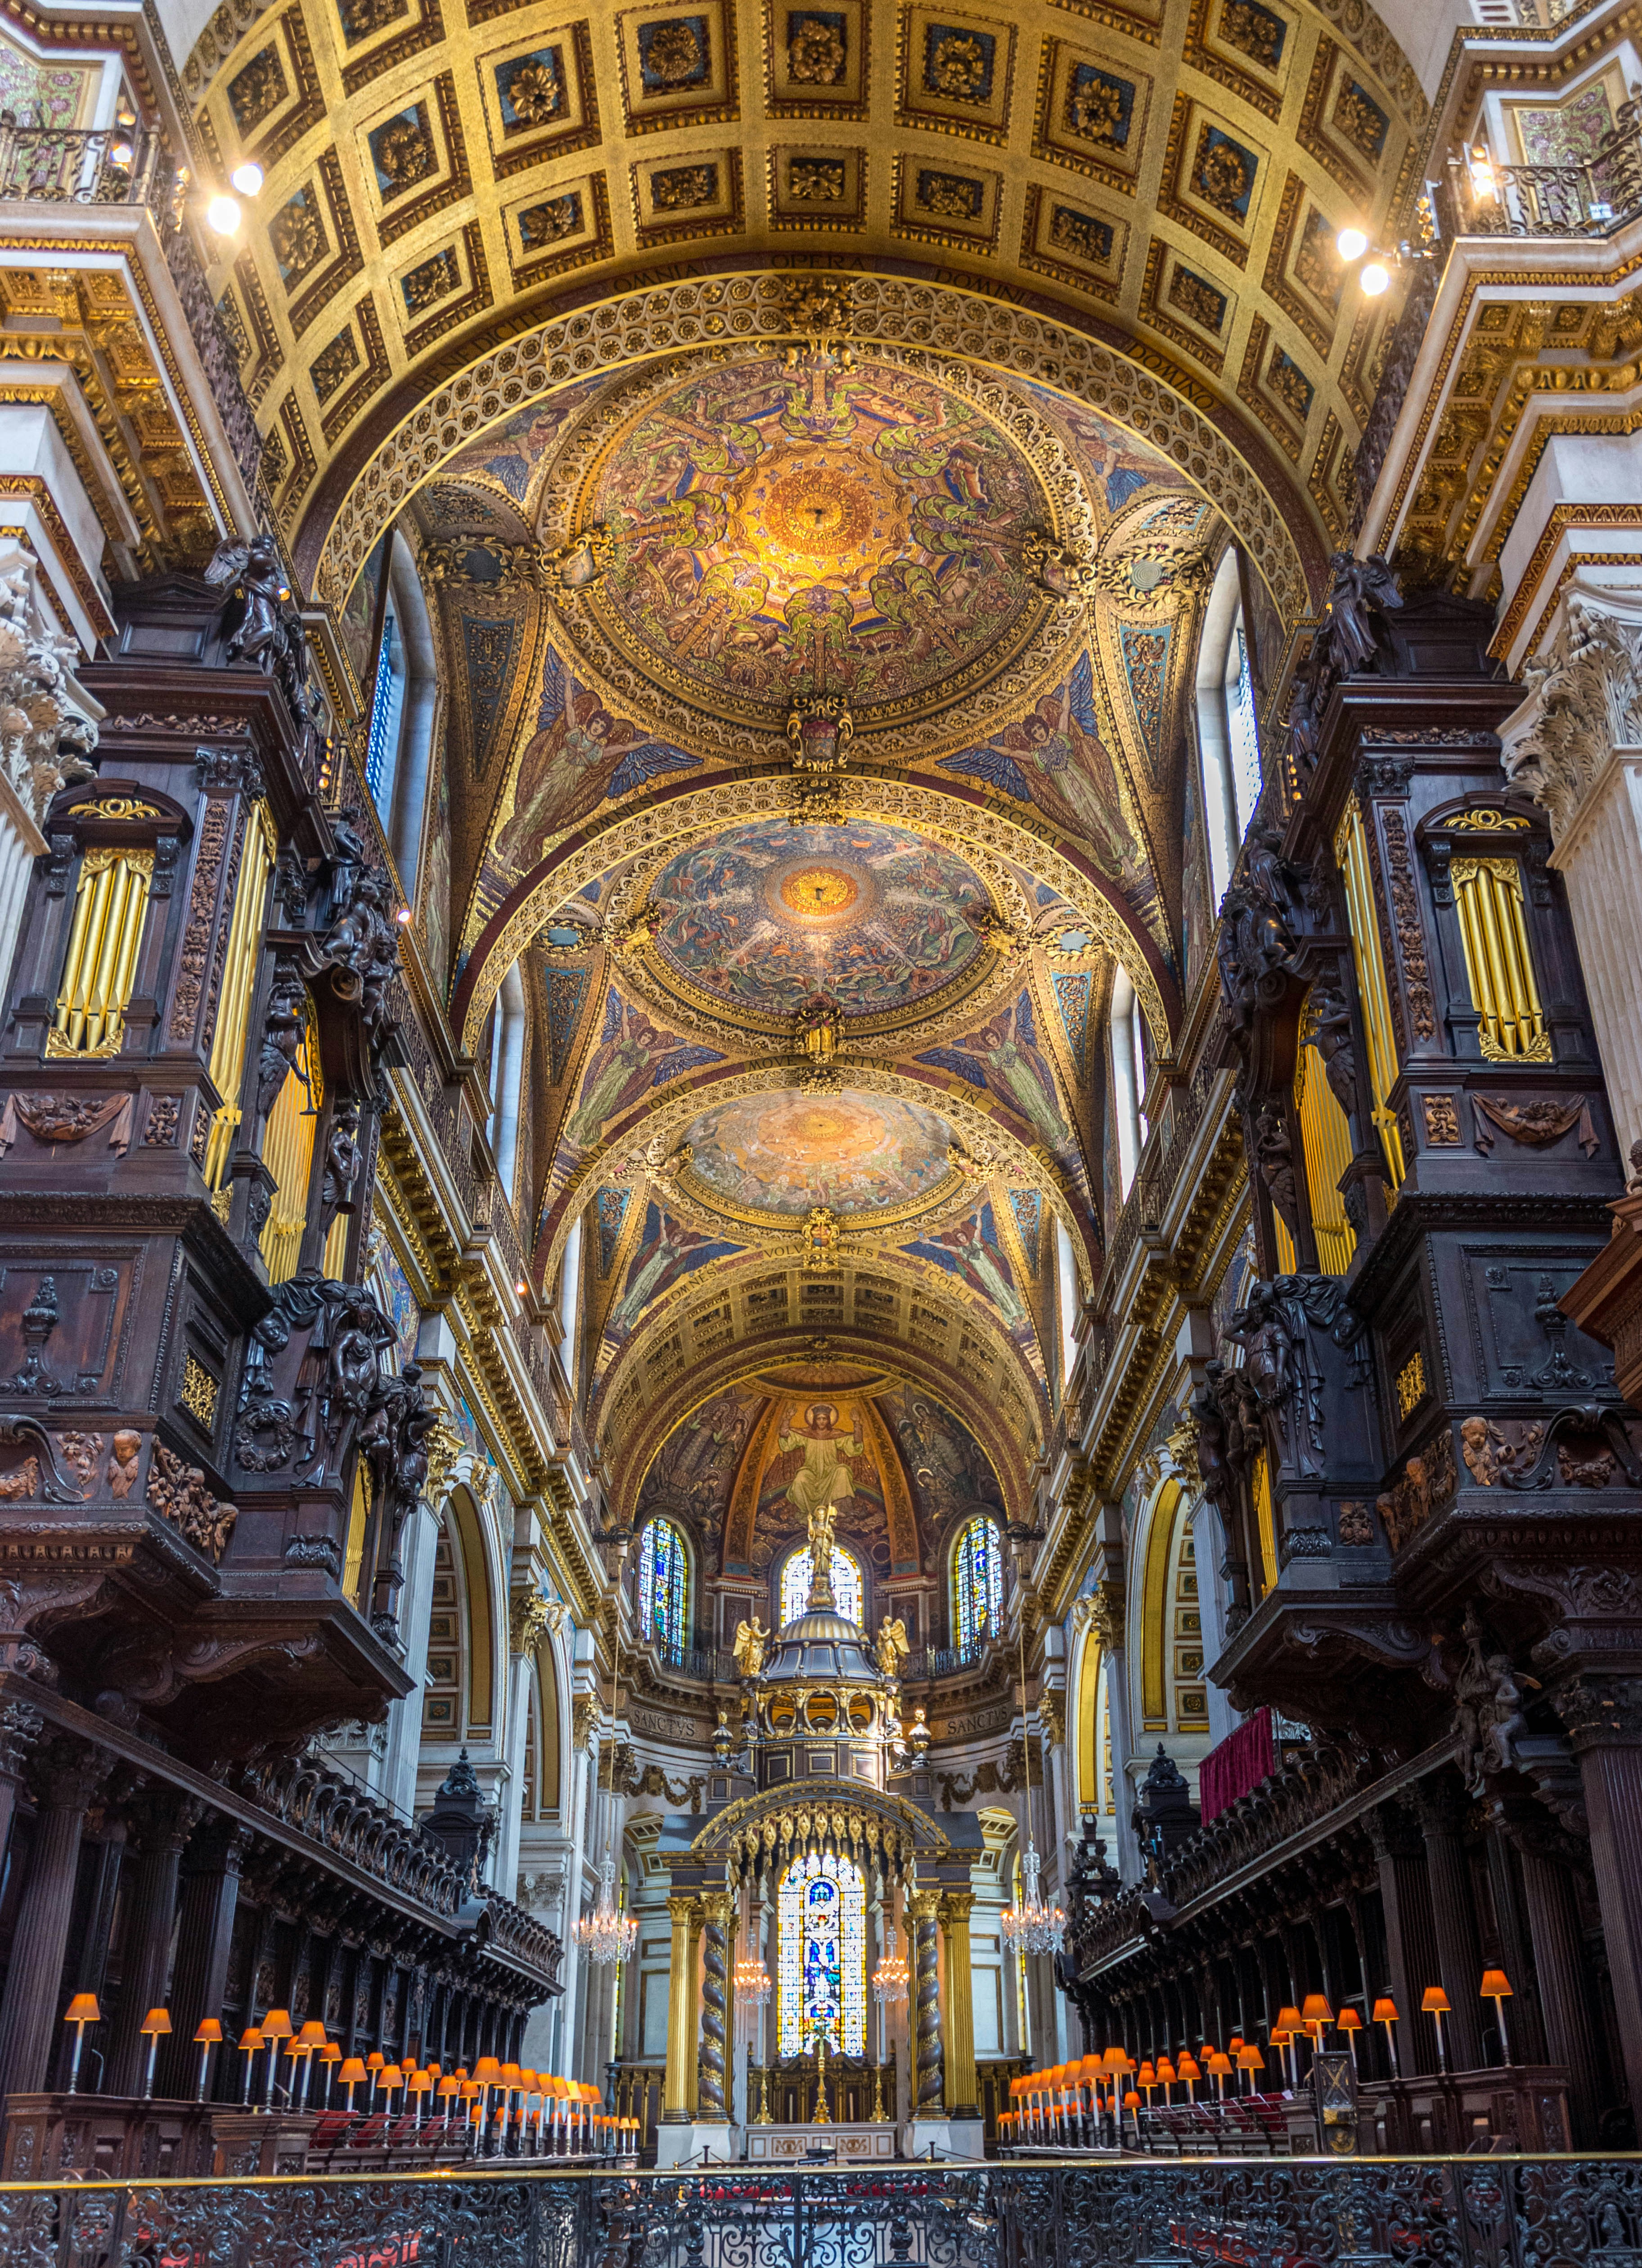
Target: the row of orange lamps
(565, 2106)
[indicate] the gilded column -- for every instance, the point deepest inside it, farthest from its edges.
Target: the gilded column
(963, 2093)
(717, 1908)
(675, 2105)
(928, 2100)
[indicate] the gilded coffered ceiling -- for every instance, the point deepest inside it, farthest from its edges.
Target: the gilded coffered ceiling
(1165, 176)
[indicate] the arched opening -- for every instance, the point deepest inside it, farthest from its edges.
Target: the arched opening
(1128, 1037)
(400, 740)
(977, 1586)
(664, 1589)
(820, 1955)
(1173, 1695)
(457, 1701)
(1228, 740)
(846, 1583)
(508, 1029)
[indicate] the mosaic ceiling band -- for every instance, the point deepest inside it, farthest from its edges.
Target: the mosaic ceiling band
(818, 960)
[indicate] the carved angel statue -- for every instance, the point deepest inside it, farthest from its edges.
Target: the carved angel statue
(1358, 589)
(752, 1642)
(893, 1646)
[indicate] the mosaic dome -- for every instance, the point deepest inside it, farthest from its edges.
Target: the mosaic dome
(766, 918)
(782, 1153)
(853, 533)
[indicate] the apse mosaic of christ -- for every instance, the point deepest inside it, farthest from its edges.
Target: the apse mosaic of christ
(783, 531)
(766, 918)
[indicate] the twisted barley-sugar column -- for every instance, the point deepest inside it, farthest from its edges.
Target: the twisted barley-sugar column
(675, 2107)
(715, 1907)
(930, 2088)
(962, 2093)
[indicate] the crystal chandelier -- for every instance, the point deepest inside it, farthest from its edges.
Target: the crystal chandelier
(605, 1935)
(753, 1984)
(1031, 1926)
(889, 1978)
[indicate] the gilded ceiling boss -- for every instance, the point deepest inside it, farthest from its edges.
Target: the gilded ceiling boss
(820, 1149)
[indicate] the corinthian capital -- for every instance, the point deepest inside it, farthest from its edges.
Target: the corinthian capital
(1584, 699)
(48, 721)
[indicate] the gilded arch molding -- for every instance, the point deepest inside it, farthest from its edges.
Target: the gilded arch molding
(967, 821)
(630, 1452)
(892, 312)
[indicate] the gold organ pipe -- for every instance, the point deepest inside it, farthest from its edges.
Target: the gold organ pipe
(1265, 1519)
(1351, 850)
(1326, 1139)
(1488, 895)
(231, 1036)
(99, 967)
(288, 1154)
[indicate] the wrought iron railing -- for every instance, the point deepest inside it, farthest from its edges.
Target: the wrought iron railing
(1462, 2212)
(1582, 200)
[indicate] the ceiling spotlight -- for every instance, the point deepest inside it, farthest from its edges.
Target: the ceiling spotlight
(223, 215)
(1375, 278)
(248, 179)
(1351, 243)
(521, 1287)
(120, 153)
(403, 916)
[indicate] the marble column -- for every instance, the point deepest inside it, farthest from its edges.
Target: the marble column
(717, 1908)
(929, 2096)
(1603, 1720)
(67, 1774)
(676, 2099)
(963, 2099)
(1575, 746)
(1439, 1804)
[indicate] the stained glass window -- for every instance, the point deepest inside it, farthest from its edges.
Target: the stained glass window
(846, 1584)
(820, 1957)
(977, 1583)
(663, 1589)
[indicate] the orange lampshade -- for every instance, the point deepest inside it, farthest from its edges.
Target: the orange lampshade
(1316, 2010)
(1349, 2020)
(1233, 2044)
(1132, 2101)
(390, 2076)
(210, 2032)
(487, 2071)
(1436, 2001)
(83, 2009)
(1280, 2038)
(1386, 2013)
(376, 2061)
(251, 2037)
(1115, 2059)
(1148, 2077)
(1166, 2071)
(1290, 2020)
(1496, 1985)
(313, 2034)
(277, 2025)
(330, 2053)
(1249, 2058)
(351, 2072)
(157, 2023)
(449, 2086)
(511, 2074)
(435, 2068)
(1189, 2067)
(469, 2089)
(1219, 2063)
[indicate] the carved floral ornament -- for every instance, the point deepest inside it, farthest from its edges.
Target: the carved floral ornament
(890, 312)
(1584, 701)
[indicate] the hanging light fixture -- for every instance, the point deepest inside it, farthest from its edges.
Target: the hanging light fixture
(890, 1978)
(1031, 1927)
(607, 1936)
(753, 1984)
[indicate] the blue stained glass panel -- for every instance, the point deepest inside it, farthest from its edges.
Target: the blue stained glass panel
(846, 1585)
(663, 1589)
(820, 1955)
(978, 1577)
